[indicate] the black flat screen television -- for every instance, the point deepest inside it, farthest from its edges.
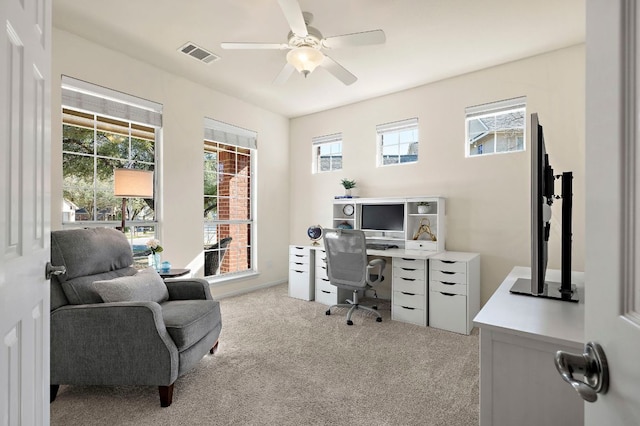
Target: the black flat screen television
(382, 217)
(542, 197)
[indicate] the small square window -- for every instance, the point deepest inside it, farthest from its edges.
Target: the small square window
(327, 153)
(398, 142)
(495, 128)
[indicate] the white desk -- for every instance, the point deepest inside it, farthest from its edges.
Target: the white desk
(409, 291)
(519, 336)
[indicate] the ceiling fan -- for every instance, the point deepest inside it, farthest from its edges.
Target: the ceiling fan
(305, 44)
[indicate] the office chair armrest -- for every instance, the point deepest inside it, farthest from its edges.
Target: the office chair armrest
(375, 268)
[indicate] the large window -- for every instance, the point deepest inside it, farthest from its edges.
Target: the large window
(494, 128)
(99, 135)
(327, 153)
(229, 227)
(398, 142)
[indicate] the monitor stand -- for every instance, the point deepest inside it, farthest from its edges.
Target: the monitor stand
(551, 290)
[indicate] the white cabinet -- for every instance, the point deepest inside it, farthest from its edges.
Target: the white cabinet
(519, 336)
(326, 292)
(454, 291)
(409, 296)
(301, 263)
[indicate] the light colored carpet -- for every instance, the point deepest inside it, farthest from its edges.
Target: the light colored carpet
(282, 361)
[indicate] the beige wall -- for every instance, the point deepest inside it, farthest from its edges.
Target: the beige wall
(185, 104)
(488, 197)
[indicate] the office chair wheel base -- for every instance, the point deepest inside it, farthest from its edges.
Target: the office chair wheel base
(375, 307)
(349, 322)
(379, 319)
(328, 312)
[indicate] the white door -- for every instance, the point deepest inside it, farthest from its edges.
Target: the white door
(612, 267)
(25, 68)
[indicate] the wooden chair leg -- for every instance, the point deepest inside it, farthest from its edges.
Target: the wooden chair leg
(214, 348)
(166, 395)
(53, 392)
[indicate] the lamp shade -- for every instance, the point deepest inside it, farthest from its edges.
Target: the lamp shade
(132, 183)
(305, 59)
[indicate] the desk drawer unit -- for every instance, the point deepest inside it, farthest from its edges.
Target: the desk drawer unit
(409, 298)
(301, 285)
(326, 292)
(454, 291)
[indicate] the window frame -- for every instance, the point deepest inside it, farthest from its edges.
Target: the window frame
(397, 128)
(496, 109)
(223, 134)
(322, 141)
(96, 108)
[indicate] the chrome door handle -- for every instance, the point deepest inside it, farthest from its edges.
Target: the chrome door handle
(592, 364)
(53, 270)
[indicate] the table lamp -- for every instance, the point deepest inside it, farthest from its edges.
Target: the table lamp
(132, 183)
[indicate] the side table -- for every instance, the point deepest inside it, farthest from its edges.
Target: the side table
(174, 273)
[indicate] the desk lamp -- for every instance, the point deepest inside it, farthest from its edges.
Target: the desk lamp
(130, 183)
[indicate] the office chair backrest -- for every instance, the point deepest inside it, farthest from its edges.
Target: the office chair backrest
(346, 257)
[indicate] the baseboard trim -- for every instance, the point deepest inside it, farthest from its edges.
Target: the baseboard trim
(246, 289)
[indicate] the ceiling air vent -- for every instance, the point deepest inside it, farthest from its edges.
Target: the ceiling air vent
(199, 53)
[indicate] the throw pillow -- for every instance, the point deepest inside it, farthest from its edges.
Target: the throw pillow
(145, 286)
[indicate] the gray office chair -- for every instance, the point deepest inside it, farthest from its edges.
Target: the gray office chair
(348, 267)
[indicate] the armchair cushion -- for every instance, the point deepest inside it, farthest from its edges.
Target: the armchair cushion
(188, 321)
(81, 291)
(145, 286)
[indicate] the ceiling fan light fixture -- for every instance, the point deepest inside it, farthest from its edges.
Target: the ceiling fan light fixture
(305, 59)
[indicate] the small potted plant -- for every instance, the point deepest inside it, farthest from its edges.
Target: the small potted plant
(348, 186)
(423, 207)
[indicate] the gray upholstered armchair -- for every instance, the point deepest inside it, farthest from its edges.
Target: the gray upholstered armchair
(114, 325)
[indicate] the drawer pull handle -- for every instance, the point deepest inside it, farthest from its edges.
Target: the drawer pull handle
(407, 307)
(299, 248)
(448, 272)
(447, 283)
(325, 291)
(407, 293)
(325, 280)
(407, 259)
(408, 269)
(448, 261)
(300, 272)
(408, 279)
(298, 263)
(298, 255)
(448, 294)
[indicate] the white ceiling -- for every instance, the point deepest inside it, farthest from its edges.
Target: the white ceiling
(427, 40)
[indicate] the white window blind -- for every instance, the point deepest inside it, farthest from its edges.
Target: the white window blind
(397, 126)
(336, 137)
(229, 134)
(496, 107)
(99, 100)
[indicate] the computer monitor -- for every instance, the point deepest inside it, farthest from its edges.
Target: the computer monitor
(382, 217)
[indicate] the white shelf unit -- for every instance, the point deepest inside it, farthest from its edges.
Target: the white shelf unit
(301, 264)
(341, 217)
(347, 213)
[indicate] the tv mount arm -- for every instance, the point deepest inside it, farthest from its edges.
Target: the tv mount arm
(566, 290)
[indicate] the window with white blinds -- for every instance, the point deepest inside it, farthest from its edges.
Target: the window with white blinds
(397, 142)
(496, 127)
(327, 153)
(102, 130)
(229, 199)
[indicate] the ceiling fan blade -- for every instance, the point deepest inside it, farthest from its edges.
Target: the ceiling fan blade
(293, 15)
(338, 71)
(284, 74)
(355, 39)
(251, 45)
